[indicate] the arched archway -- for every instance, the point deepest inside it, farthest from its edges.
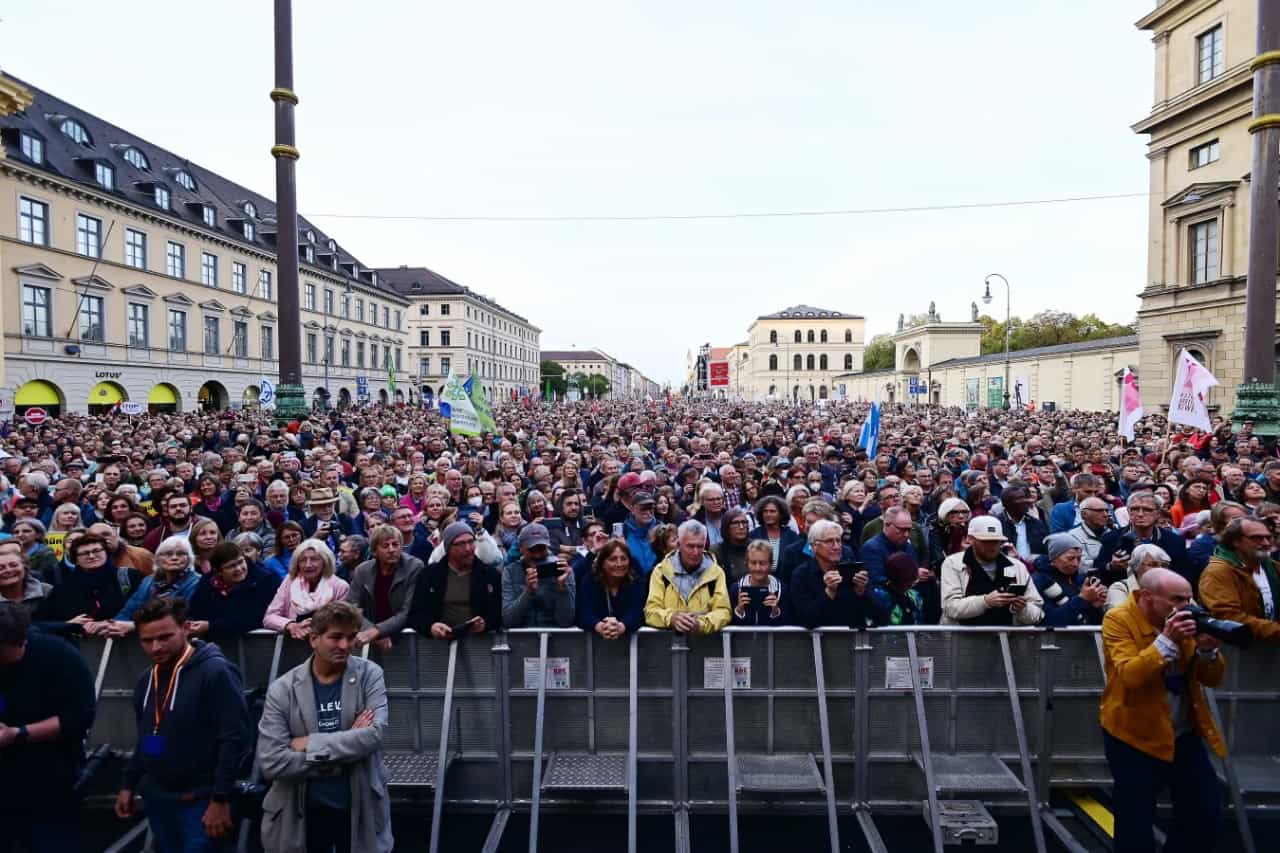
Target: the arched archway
(40, 393)
(105, 396)
(213, 396)
(399, 396)
(320, 399)
(911, 360)
(344, 398)
(250, 397)
(822, 392)
(164, 398)
(795, 394)
(382, 396)
(812, 394)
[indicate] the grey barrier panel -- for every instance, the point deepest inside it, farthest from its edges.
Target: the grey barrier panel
(1074, 681)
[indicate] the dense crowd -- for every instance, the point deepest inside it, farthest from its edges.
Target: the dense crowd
(687, 515)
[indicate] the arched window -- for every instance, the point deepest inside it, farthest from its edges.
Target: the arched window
(822, 361)
(848, 361)
(136, 158)
(809, 361)
(798, 338)
(823, 336)
(75, 131)
(773, 362)
(773, 336)
(848, 336)
(822, 392)
(810, 336)
(183, 179)
(798, 361)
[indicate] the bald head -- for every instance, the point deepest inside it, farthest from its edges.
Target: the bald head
(1165, 582)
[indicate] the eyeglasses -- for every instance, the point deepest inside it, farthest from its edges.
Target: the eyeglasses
(741, 522)
(900, 528)
(92, 552)
(827, 541)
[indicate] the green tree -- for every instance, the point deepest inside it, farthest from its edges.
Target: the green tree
(595, 386)
(553, 378)
(879, 354)
(1048, 328)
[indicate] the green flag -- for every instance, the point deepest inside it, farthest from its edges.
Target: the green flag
(480, 403)
(462, 414)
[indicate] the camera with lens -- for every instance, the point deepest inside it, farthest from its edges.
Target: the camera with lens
(1233, 633)
(548, 567)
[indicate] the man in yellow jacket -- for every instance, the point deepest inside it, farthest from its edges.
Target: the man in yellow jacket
(688, 591)
(1154, 717)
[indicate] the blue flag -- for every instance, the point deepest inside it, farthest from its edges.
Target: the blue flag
(869, 437)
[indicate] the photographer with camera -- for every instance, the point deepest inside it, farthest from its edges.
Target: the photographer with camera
(538, 588)
(1154, 716)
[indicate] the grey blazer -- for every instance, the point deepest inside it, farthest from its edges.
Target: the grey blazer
(403, 582)
(290, 712)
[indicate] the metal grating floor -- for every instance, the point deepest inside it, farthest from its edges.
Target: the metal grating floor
(411, 769)
(1256, 774)
(972, 773)
(784, 774)
(585, 771)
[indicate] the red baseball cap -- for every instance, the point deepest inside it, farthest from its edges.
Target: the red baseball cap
(628, 481)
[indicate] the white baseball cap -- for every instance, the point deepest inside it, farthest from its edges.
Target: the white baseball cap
(987, 528)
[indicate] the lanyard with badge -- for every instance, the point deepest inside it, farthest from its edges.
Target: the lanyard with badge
(153, 744)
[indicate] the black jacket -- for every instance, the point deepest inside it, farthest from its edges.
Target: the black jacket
(812, 607)
(205, 735)
(100, 594)
(240, 610)
(428, 595)
(51, 680)
(1037, 530)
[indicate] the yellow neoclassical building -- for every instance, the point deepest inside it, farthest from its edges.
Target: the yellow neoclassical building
(1200, 155)
(796, 352)
(130, 274)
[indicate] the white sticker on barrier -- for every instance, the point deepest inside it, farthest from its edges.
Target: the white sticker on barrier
(557, 674)
(713, 673)
(897, 673)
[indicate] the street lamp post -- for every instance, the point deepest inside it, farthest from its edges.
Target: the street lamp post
(290, 397)
(1008, 316)
(1256, 398)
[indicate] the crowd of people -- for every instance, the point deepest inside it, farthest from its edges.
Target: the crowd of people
(684, 515)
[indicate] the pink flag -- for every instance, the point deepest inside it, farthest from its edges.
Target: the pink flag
(1189, 404)
(1130, 405)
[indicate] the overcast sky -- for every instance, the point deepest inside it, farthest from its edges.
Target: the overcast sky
(662, 108)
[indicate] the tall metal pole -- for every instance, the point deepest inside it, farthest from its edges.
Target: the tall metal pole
(1008, 327)
(290, 396)
(1257, 397)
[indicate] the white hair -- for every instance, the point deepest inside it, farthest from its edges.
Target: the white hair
(691, 529)
(710, 489)
(1142, 552)
(823, 528)
(796, 491)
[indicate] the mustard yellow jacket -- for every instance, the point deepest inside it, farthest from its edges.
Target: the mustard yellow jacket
(1135, 704)
(710, 597)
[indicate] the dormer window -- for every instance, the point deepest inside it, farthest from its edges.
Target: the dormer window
(183, 179)
(209, 215)
(333, 245)
(136, 158)
(250, 209)
(162, 197)
(309, 254)
(105, 175)
(311, 236)
(75, 131)
(33, 148)
(250, 231)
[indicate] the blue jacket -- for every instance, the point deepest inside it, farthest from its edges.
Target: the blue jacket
(1198, 554)
(813, 609)
(594, 604)
(240, 610)
(1063, 517)
(184, 588)
(876, 551)
(1063, 605)
(1125, 539)
(638, 541)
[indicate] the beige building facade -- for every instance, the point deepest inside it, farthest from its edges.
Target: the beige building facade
(797, 352)
(942, 362)
(1200, 154)
(453, 328)
(131, 275)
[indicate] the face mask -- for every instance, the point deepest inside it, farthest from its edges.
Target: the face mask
(478, 501)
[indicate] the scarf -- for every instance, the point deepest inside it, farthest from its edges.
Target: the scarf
(304, 600)
(219, 585)
(162, 586)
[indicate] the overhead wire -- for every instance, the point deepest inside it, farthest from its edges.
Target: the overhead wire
(693, 217)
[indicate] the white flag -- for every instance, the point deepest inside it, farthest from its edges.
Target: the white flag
(1130, 405)
(266, 394)
(1192, 384)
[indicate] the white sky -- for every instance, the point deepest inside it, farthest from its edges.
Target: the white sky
(661, 107)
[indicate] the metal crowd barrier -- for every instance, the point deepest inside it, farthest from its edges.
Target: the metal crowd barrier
(831, 722)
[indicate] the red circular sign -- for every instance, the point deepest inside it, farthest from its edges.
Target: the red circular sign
(35, 415)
